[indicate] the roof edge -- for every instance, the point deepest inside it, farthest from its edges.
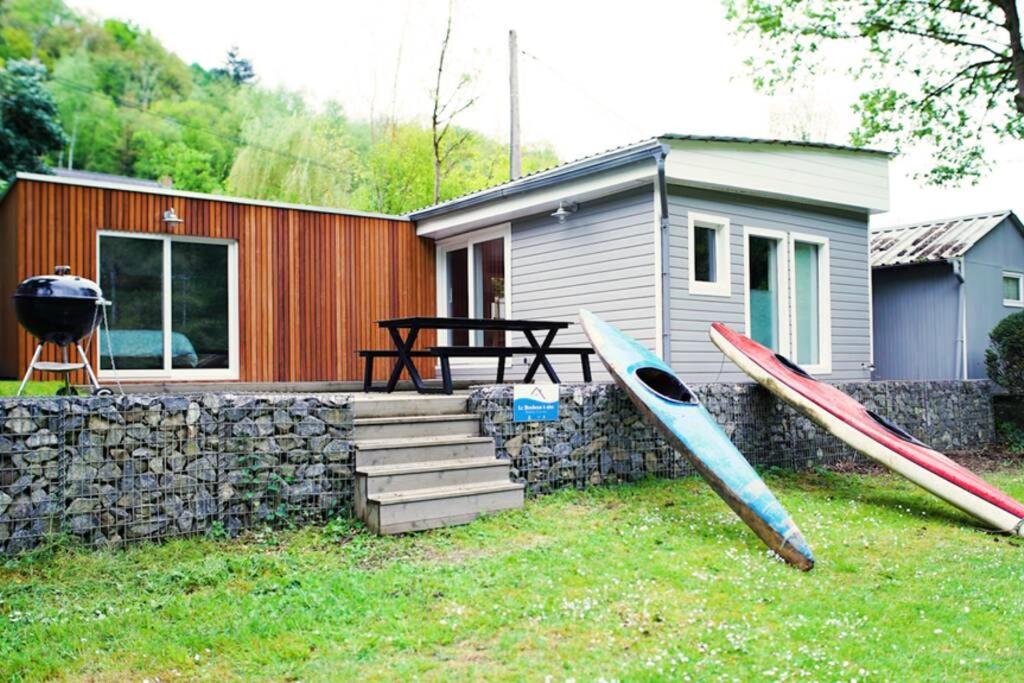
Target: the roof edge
(774, 141)
(185, 194)
(574, 169)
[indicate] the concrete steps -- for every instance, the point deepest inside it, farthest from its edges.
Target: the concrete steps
(421, 464)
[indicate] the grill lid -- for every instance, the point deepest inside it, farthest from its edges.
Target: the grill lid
(61, 285)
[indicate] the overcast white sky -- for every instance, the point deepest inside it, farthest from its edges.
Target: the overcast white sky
(597, 79)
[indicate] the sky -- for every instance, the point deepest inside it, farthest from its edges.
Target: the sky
(590, 79)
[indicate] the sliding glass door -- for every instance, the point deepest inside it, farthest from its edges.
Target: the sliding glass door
(767, 288)
(173, 309)
(472, 282)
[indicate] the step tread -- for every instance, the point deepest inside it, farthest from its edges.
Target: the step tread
(406, 419)
(430, 466)
(438, 492)
(418, 442)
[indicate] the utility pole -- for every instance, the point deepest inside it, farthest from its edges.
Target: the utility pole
(515, 166)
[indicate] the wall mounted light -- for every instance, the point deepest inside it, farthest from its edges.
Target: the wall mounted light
(171, 219)
(564, 210)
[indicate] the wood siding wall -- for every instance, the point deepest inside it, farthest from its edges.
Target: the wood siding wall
(311, 284)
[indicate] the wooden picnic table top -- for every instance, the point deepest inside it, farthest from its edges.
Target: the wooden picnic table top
(442, 323)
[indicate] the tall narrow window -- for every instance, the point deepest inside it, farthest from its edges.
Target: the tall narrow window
(1013, 290)
(172, 308)
(763, 291)
(489, 275)
(708, 245)
(806, 296)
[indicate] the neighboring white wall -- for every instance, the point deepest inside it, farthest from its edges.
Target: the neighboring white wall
(829, 177)
(693, 354)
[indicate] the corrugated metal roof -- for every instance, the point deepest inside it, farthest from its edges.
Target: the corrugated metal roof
(585, 161)
(937, 240)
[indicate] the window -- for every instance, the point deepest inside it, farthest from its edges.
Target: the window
(812, 328)
(1013, 290)
(788, 298)
(709, 255)
(173, 306)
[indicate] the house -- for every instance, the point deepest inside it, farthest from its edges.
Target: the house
(939, 289)
(221, 288)
(661, 237)
(667, 235)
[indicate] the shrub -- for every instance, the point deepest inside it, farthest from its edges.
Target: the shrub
(1005, 355)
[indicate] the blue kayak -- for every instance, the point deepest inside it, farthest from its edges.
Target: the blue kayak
(688, 427)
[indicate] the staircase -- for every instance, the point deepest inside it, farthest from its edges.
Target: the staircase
(421, 464)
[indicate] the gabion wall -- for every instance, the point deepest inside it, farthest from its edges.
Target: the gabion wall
(601, 438)
(123, 469)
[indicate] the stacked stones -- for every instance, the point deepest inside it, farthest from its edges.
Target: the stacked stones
(112, 470)
(286, 459)
(601, 438)
(31, 471)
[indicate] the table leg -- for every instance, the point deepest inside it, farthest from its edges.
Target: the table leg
(405, 360)
(540, 358)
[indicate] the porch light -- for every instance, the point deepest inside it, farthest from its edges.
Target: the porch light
(564, 210)
(171, 219)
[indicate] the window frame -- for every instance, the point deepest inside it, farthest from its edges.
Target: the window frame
(1019, 277)
(722, 286)
(783, 272)
(467, 241)
(168, 372)
(824, 364)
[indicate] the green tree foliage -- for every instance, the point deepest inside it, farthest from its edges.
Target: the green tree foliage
(28, 119)
(130, 107)
(1004, 357)
(945, 73)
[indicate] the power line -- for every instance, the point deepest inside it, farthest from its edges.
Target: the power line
(183, 124)
(584, 91)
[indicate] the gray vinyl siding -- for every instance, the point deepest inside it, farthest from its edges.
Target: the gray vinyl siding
(1000, 250)
(692, 353)
(601, 258)
(915, 322)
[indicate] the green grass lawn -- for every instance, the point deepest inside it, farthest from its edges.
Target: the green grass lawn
(9, 387)
(651, 581)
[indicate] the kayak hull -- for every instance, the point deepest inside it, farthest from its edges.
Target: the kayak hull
(849, 421)
(688, 427)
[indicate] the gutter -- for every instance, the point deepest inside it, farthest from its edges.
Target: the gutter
(961, 309)
(666, 288)
(542, 179)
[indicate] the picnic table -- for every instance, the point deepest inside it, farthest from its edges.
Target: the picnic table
(404, 332)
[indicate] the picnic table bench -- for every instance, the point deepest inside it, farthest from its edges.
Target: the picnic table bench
(403, 353)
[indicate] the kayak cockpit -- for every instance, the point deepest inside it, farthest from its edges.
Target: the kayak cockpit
(665, 385)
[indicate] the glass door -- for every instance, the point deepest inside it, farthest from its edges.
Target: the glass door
(472, 279)
(767, 289)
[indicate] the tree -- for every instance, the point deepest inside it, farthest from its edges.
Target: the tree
(236, 68)
(443, 115)
(946, 73)
(1004, 358)
(28, 119)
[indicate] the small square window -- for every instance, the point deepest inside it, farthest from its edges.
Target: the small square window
(1013, 290)
(709, 255)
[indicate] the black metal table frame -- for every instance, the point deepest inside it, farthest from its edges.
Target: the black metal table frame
(528, 327)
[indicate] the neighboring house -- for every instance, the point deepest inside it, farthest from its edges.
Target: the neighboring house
(668, 235)
(939, 289)
(240, 290)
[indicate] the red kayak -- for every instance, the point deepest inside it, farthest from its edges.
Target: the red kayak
(871, 434)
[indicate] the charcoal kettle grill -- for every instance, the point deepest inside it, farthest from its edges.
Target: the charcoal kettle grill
(60, 309)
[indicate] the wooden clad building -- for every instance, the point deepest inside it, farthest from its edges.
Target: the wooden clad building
(239, 289)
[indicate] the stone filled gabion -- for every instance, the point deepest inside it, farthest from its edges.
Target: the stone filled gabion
(111, 470)
(601, 438)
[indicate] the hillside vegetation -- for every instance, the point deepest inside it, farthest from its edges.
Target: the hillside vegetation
(129, 106)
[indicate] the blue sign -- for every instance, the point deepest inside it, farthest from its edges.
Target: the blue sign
(535, 403)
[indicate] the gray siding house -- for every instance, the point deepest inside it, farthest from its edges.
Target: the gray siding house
(664, 237)
(939, 289)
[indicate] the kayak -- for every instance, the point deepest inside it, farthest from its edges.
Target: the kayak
(871, 434)
(675, 412)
